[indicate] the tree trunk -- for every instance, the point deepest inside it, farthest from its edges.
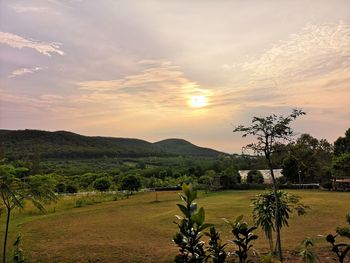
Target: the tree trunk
(6, 232)
(277, 215)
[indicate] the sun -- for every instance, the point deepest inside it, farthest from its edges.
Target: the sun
(198, 101)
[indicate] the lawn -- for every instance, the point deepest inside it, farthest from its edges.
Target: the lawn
(140, 230)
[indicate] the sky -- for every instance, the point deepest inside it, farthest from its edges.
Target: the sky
(174, 69)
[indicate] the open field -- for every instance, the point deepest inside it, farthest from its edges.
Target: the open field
(140, 230)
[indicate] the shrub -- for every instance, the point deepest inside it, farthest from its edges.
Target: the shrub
(102, 184)
(60, 188)
(216, 249)
(255, 176)
(130, 183)
(191, 225)
(243, 237)
(71, 188)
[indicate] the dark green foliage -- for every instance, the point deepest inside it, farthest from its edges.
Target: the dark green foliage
(208, 182)
(271, 132)
(264, 211)
(102, 184)
(216, 250)
(130, 183)
(341, 249)
(229, 178)
(191, 224)
(61, 188)
(183, 147)
(71, 188)
(14, 191)
(341, 165)
(22, 144)
(290, 169)
(255, 177)
(243, 236)
(342, 144)
(308, 160)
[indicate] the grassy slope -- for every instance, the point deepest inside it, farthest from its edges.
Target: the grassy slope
(140, 230)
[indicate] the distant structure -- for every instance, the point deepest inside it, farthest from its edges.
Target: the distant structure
(341, 184)
(266, 174)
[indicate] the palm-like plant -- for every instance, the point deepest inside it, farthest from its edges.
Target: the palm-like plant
(14, 191)
(264, 211)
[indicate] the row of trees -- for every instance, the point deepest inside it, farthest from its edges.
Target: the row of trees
(309, 160)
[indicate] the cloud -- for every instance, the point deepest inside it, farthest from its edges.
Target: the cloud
(23, 71)
(160, 84)
(314, 51)
(26, 9)
(16, 41)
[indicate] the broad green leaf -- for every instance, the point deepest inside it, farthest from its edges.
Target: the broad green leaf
(184, 210)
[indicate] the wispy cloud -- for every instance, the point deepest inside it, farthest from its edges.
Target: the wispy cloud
(25, 8)
(160, 83)
(315, 50)
(44, 48)
(23, 71)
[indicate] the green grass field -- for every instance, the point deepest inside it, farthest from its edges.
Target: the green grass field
(140, 230)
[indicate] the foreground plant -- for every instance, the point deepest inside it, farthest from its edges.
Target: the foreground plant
(18, 255)
(306, 254)
(243, 237)
(271, 132)
(216, 249)
(264, 212)
(14, 191)
(340, 250)
(191, 224)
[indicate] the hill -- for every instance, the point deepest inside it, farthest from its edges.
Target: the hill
(183, 147)
(23, 144)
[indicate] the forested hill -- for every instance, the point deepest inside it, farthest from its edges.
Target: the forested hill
(182, 147)
(22, 144)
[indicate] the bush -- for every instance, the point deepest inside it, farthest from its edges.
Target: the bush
(130, 183)
(60, 188)
(71, 188)
(102, 184)
(255, 176)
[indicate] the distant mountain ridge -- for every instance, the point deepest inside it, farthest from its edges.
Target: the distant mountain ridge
(22, 144)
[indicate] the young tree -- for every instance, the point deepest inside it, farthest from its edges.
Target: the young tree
(14, 191)
(270, 132)
(264, 207)
(191, 226)
(243, 236)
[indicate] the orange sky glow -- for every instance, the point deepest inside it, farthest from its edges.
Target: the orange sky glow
(174, 69)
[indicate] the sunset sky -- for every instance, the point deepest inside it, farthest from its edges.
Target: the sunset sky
(174, 69)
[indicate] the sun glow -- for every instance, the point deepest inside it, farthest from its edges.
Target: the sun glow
(198, 101)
